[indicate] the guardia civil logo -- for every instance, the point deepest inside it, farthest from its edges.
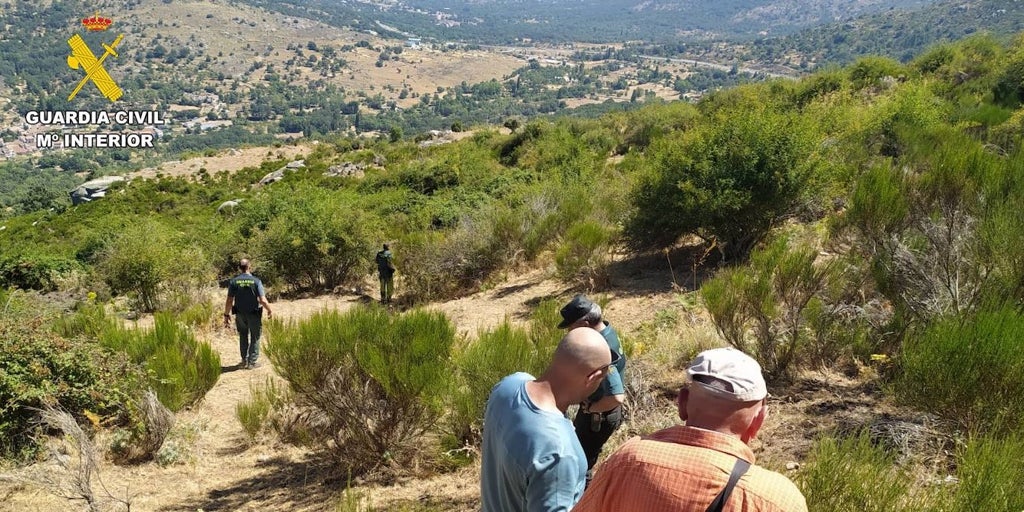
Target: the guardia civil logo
(84, 59)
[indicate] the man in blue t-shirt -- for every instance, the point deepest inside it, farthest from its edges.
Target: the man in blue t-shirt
(531, 459)
(247, 300)
(601, 413)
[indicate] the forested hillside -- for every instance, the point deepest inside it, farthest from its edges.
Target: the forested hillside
(597, 21)
(901, 34)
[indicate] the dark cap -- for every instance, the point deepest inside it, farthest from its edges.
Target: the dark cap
(577, 308)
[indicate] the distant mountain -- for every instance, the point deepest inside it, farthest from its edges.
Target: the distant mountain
(509, 21)
(896, 33)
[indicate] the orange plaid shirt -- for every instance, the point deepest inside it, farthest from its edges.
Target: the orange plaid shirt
(682, 469)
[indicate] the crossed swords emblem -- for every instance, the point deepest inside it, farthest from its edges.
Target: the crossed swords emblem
(82, 57)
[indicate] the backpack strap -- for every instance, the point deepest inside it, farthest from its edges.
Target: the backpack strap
(738, 470)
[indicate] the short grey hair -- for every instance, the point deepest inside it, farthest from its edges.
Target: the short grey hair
(593, 316)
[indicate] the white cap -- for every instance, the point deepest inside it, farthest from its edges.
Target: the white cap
(737, 370)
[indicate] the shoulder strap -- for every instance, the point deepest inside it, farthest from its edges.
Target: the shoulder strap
(738, 470)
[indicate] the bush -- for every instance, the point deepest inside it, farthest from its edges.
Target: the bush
(181, 368)
(760, 309)
(375, 382)
(33, 271)
(263, 402)
(853, 475)
(730, 181)
(583, 257)
(147, 261)
(495, 354)
(318, 240)
(990, 475)
(38, 367)
(968, 370)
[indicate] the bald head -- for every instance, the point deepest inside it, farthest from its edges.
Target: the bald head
(579, 365)
(244, 264)
(584, 348)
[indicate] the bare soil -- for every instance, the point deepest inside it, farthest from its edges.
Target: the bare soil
(224, 472)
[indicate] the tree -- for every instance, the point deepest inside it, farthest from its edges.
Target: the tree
(728, 182)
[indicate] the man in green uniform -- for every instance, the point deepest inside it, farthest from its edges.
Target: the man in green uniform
(386, 272)
(601, 414)
(246, 299)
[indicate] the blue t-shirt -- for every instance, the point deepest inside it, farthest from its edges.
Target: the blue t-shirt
(246, 289)
(612, 383)
(532, 460)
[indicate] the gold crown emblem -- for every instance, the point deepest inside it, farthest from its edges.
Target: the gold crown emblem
(96, 23)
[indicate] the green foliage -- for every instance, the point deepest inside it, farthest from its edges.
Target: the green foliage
(762, 309)
(967, 369)
(38, 367)
(32, 270)
(990, 475)
(495, 354)
(181, 369)
(729, 182)
(854, 475)
(264, 401)
(870, 71)
(937, 229)
(583, 256)
(317, 240)
(148, 261)
(374, 381)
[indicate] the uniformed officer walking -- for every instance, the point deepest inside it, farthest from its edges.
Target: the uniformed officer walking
(247, 300)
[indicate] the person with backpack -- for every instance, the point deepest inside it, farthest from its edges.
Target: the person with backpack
(386, 272)
(247, 299)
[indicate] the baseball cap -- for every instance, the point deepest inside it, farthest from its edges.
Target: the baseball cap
(738, 371)
(574, 310)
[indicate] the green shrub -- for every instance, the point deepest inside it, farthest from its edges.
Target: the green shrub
(583, 256)
(148, 261)
(761, 309)
(374, 381)
(318, 240)
(38, 367)
(495, 354)
(33, 271)
(181, 368)
(853, 475)
(869, 71)
(545, 334)
(968, 369)
(263, 401)
(730, 181)
(990, 475)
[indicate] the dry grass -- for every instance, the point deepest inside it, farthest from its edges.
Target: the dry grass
(72, 468)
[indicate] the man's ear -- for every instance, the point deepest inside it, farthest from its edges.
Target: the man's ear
(756, 423)
(681, 401)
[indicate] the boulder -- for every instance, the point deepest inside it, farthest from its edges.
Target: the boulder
(347, 169)
(277, 175)
(93, 189)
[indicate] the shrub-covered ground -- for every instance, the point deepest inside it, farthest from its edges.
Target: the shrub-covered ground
(864, 219)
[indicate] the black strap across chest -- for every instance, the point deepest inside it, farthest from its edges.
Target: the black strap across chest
(738, 470)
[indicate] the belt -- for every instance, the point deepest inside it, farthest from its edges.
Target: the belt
(606, 413)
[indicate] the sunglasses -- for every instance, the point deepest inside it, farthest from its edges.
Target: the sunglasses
(605, 368)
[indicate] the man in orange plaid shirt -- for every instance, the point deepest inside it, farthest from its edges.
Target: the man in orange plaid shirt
(706, 464)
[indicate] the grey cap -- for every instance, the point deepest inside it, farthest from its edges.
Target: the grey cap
(738, 371)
